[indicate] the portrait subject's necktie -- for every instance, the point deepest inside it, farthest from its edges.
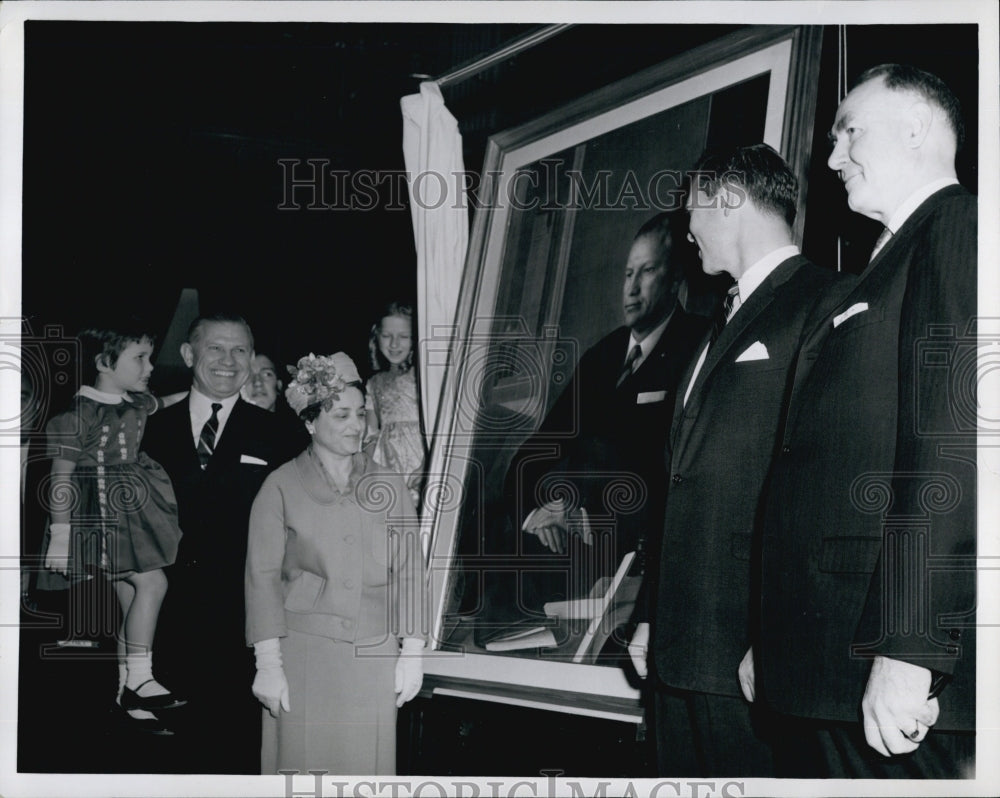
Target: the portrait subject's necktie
(729, 306)
(880, 242)
(206, 440)
(633, 355)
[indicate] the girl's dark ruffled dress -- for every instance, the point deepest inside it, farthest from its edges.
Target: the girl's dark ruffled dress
(124, 512)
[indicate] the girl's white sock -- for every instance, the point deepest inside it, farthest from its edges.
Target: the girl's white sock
(139, 677)
(138, 714)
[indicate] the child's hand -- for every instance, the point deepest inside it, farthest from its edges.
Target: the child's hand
(57, 556)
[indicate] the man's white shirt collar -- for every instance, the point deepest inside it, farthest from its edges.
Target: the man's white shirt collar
(648, 343)
(201, 410)
(759, 271)
(915, 200)
(749, 282)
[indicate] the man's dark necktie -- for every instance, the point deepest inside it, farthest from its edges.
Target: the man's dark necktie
(724, 313)
(633, 355)
(206, 440)
(880, 242)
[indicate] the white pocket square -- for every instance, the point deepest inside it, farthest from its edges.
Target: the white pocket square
(853, 310)
(648, 397)
(756, 351)
(246, 458)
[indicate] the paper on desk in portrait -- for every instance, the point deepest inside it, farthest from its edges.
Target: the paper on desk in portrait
(532, 634)
(601, 595)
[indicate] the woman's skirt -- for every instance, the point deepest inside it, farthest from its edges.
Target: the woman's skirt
(343, 708)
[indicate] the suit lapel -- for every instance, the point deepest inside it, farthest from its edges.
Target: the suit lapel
(227, 447)
(682, 386)
(733, 333)
(677, 320)
(615, 354)
(180, 425)
(868, 287)
(922, 211)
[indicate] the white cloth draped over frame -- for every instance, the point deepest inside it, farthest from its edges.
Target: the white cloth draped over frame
(432, 151)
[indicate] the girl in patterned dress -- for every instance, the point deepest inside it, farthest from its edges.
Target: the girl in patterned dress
(394, 437)
(112, 507)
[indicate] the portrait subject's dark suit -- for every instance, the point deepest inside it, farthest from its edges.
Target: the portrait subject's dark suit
(602, 427)
(606, 439)
(200, 638)
(876, 474)
(719, 451)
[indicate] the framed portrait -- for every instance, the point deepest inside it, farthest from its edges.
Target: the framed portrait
(561, 199)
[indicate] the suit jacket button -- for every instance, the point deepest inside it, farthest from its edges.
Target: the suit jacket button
(955, 634)
(677, 479)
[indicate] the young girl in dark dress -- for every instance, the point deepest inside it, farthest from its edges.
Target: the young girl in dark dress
(112, 507)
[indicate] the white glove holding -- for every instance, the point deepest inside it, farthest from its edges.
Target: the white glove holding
(637, 648)
(270, 686)
(409, 670)
(57, 554)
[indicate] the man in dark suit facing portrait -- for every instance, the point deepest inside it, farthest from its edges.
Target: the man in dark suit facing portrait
(217, 450)
(867, 562)
(742, 205)
(611, 419)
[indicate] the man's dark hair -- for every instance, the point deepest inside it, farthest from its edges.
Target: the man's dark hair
(903, 77)
(107, 343)
(221, 316)
(756, 171)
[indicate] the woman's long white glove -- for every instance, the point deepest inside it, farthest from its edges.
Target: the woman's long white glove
(57, 554)
(270, 686)
(409, 670)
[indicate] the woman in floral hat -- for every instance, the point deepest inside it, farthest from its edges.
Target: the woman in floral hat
(334, 589)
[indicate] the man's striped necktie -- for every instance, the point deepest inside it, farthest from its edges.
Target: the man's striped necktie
(206, 440)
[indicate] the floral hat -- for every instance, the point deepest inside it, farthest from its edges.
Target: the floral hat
(318, 379)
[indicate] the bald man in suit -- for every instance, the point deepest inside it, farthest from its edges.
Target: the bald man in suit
(867, 562)
(201, 633)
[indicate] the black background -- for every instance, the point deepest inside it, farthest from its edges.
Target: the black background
(151, 156)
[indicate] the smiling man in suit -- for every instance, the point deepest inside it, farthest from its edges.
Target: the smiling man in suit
(868, 582)
(217, 450)
(742, 205)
